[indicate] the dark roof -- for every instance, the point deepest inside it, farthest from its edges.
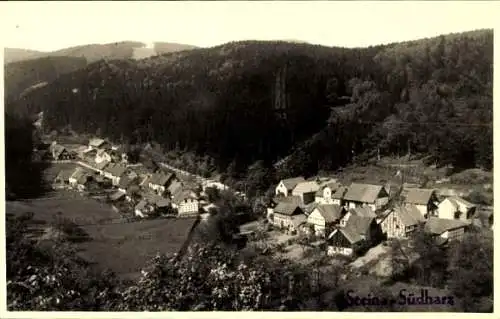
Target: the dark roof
(437, 226)
(290, 183)
(330, 213)
(64, 174)
(116, 195)
(356, 227)
(161, 178)
(418, 196)
(298, 220)
(126, 181)
(363, 211)
(409, 215)
(286, 208)
(116, 170)
(180, 196)
(364, 193)
(96, 142)
(339, 192)
(289, 199)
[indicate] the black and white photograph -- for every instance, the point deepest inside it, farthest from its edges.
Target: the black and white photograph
(272, 156)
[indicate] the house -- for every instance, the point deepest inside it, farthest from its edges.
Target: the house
(100, 167)
(324, 194)
(62, 179)
(187, 204)
(425, 200)
(297, 222)
(117, 196)
(338, 196)
(143, 209)
(174, 187)
(283, 214)
(402, 221)
(118, 154)
(362, 211)
(456, 208)
(102, 156)
(115, 172)
(75, 176)
(374, 196)
(59, 152)
(446, 230)
(286, 186)
(98, 143)
(354, 238)
(324, 217)
(306, 191)
(160, 181)
(125, 183)
(84, 182)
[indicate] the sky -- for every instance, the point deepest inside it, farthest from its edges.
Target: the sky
(48, 26)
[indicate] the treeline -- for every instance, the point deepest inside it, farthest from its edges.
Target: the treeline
(429, 96)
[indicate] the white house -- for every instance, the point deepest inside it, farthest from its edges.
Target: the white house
(306, 191)
(98, 143)
(324, 217)
(446, 229)
(356, 236)
(286, 186)
(186, 203)
(425, 200)
(102, 156)
(374, 196)
(324, 194)
(456, 208)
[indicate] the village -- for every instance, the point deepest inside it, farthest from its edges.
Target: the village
(135, 191)
(342, 220)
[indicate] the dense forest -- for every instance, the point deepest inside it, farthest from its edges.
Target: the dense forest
(318, 107)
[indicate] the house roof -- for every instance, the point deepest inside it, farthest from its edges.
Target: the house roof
(179, 197)
(418, 196)
(96, 142)
(116, 195)
(409, 215)
(285, 208)
(116, 170)
(456, 201)
(290, 183)
(57, 150)
(290, 199)
(438, 226)
(306, 187)
(330, 213)
(364, 211)
(357, 226)
(126, 181)
(64, 174)
(141, 205)
(102, 165)
(161, 178)
(339, 192)
(77, 173)
(364, 193)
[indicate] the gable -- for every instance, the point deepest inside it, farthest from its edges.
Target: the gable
(316, 215)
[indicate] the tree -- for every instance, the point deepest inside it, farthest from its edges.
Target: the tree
(472, 281)
(431, 267)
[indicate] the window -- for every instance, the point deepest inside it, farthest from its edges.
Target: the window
(394, 219)
(457, 215)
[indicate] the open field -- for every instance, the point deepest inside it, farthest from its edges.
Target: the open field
(72, 205)
(127, 247)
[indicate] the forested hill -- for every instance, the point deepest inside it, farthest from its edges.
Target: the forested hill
(245, 101)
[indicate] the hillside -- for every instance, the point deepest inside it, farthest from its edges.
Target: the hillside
(322, 107)
(25, 68)
(15, 55)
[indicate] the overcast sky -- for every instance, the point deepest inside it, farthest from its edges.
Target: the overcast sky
(49, 26)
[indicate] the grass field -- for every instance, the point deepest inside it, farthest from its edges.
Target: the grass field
(127, 247)
(72, 205)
